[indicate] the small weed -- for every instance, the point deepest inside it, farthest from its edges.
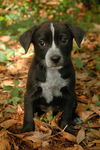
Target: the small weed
(5, 54)
(98, 103)
(78, 62)
(15, 93)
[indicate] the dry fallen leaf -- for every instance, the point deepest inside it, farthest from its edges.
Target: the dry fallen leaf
(38, 139)
(96, 109)
(93, 134)
(19, 110)
(80, 136)
(94, 124)
(83, 98)
(68, 136)
(83, 113)
(8, 123)
(96, 141)
(4, 140)
(75, 147)
(5, 38)
(4, 144)
(78, 147)
(35, 137)
(52, 3)
(41, 125)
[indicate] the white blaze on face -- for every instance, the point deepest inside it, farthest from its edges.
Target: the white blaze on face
(52, 30)
(53, 50)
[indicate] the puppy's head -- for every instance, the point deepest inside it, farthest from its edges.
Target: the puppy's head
(52, 41)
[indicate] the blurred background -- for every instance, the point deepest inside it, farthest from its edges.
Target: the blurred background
(18, 16)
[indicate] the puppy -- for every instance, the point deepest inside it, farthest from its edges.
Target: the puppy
(51, 78)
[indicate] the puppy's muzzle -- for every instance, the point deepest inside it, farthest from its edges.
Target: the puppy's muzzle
(55, 59)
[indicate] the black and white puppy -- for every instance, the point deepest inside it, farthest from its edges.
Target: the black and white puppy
(51, 78)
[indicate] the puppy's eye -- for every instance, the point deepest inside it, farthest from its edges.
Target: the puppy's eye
(64, 40)
(42, 43)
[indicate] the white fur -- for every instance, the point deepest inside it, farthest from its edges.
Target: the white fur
(53, 84)
(53, 50)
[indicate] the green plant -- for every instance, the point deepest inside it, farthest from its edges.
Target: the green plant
(6, 53)
(15, 93)
(78, 62)
(98, 103)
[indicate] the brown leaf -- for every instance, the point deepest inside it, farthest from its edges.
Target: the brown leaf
(78, 147)
(19, 110)
(52, 3)
(95, 98)
(84, 100)
(41, 125)
(96, 133)
(8, 123)
(4, 141)
(95, 148)
(83, 113)
(5, 38)
(94, 125)
(4, 144)
(55, 121)
(93, 134)
(58, 116)
(96, 109)
(80, 136)
(75, 147)
(68, 136)
(42, 13)
(35, 137)
(22, 135)
(38, 138)
(96, 141)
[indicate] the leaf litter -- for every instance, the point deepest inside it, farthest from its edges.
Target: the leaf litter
(48, 135)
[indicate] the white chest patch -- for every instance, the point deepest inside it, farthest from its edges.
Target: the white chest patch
(53, 84)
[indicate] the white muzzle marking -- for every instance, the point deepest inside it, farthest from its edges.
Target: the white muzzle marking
(52, 51)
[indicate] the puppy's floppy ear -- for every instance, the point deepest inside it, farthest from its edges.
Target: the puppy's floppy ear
(77, 33)
(26, 38)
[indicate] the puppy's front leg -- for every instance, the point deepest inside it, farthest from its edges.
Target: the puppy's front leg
(68, 110)
(29, 110)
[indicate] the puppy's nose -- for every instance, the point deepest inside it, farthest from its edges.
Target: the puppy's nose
(55, 58)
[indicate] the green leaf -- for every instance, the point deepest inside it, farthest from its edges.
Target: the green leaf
(7, 88)
(14, 101)
(97, 58)
(2, 46)
(98, 66)
(10, 111)
(88, 106)
(15, 92)
(97, 103)
(10, 53)
(21, 89)
(3, 101)
(2, 57)
(49, 116)
(79, 63)
(16, 82)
